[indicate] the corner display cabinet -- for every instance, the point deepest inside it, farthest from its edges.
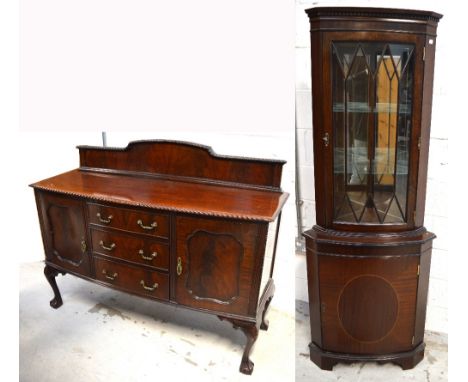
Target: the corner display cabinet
(368, 257)
(169, 221)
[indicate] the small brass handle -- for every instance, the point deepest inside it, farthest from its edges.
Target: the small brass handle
(113, 277)
(179, 266)
(152, 226)
(150, 257)
(326, 139)
(105, 221)
(155, 285)
(110, 248)
(83, 246)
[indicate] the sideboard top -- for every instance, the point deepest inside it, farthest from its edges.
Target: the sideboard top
(175, 176)
(168, 195)
(387, 13)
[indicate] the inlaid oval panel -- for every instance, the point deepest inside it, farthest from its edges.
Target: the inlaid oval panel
(368, 308)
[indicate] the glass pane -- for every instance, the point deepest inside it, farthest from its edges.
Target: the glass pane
(405, 96)
(339, 135)
(372, 86)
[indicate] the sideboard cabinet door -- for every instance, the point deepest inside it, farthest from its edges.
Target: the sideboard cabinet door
(64, 232)
(214, 264)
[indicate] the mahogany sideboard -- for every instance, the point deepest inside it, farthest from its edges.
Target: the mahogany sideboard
(169, 221)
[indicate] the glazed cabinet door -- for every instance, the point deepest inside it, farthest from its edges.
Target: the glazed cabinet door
(369, 305)
(214, 264)
(64, 231)
(371, 128)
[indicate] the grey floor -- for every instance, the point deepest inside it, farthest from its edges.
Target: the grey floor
(433, 368)
(104, 335)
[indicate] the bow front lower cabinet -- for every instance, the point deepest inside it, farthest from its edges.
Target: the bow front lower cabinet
(169, 221)
(368, 256)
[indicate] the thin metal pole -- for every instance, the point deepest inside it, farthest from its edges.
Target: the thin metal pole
(299, 239)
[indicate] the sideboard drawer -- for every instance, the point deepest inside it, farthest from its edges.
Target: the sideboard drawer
(131, 248)
(137, 221)
(133, 279)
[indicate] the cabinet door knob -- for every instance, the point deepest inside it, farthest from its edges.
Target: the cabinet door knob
(110, 277)
(148, 227)
(102, 220)
(326, 139)
(179, 266)
(103, 246)
(150, 257)
(155, 285)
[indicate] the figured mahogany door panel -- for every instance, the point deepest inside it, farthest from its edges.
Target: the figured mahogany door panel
(144, 222)
(136, 249)
(64, 232)
(132, 278)
(368, 304)
(214, 264)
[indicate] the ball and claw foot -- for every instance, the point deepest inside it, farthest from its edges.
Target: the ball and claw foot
(251, 333)
(56, 302)
(246, 366)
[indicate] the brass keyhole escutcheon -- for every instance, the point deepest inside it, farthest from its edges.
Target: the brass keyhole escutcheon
(179, 266)
(83, 246)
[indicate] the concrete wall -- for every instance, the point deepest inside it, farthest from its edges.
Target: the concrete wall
(436, 217)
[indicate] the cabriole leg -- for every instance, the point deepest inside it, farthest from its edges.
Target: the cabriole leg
(50, 274)
(264, 324)
(251, 332)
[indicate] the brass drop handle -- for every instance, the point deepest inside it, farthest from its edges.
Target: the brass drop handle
(155, 286)
(179, 266)
(83, 246)
(326, 139)
(150, 257)
(110, 248)
(105, 221)
(148, 227)
(113, 277)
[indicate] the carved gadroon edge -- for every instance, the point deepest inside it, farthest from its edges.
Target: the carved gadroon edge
(159, 207)
(417, 236)
(387, 13)
(208, 149)
(218, 301)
